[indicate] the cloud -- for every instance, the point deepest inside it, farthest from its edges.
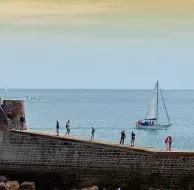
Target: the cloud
(109, 18)
(54, 8)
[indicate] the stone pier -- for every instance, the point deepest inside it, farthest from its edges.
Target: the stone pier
(81, 162)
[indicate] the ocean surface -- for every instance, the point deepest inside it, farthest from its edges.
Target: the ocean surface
(109, 111)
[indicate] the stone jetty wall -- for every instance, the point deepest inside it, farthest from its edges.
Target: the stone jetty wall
(82, 162)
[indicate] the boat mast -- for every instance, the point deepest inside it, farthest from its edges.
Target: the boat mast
(157, 104)
(165, 106)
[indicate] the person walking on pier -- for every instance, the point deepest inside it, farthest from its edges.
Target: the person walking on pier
(57, 127)
(92, 136)
(123, 136)
(68, 128)
(132, 138)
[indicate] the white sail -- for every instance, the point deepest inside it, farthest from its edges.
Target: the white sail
(6, 88)
(151, 113)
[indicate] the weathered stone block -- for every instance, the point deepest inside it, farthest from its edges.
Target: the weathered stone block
(27, 186)
(12, 185)
(2, 186)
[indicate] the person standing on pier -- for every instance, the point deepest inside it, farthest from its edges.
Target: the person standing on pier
(22, 121)
(170, 143)
(123, 136)
(167, 142)
(57, 127)
(132, 138)
(1, 101)
(92, 136)
(68, 128)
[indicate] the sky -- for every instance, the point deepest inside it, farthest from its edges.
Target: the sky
(97, 44)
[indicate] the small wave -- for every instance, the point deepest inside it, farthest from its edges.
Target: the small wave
(33, 99)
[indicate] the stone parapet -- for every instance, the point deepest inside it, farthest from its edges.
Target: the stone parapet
(83, 162)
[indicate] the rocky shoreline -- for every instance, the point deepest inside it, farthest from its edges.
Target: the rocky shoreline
(9, 184)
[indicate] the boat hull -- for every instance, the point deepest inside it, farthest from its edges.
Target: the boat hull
(153, 127)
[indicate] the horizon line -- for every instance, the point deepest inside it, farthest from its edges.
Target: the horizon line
(95, 89)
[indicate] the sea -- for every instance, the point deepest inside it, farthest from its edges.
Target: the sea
(109, 112)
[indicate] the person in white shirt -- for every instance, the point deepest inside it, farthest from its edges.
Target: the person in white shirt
(1, 102)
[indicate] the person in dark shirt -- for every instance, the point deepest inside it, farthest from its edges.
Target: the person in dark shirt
(22, 120)
(68, 128)
(57, 128)
(92, 136)
(170, 143)
(132, 138)
(122, 137)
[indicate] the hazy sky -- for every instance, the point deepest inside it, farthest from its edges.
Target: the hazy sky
(97, 43)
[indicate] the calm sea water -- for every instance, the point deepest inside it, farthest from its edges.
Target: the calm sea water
(109, 111)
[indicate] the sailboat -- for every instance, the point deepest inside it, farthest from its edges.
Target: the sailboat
(6, 88)
(151, 118)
